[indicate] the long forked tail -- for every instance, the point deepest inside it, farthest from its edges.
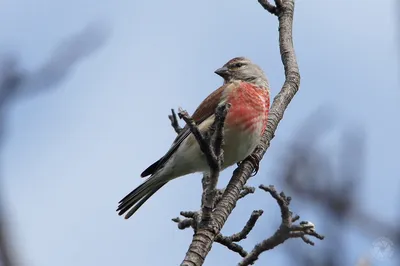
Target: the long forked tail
(134, 200)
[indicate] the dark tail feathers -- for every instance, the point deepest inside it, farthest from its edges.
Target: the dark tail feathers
(134, 200)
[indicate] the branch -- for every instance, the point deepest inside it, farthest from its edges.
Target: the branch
(193, 219)
(17, 82)
(174, 122)
(285, 231)
(228, 241)
(269, 7)
(223, 240)
(204, 237)
(7, 256)
(247, 228)
(211, 146)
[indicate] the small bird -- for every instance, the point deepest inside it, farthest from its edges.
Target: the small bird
(246, 89)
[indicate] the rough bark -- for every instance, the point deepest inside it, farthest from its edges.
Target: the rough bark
(205, 236)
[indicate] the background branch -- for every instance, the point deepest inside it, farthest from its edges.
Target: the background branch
(16, 82)
(324, 182)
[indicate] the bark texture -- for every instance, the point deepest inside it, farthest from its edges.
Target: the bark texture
(205, 236)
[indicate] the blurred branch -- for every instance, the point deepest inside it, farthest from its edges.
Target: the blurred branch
(332, 185)
(16, 82)
(7, 257)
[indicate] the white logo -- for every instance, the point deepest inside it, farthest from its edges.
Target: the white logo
(382, 249)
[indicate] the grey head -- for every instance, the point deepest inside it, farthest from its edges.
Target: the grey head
(242, 69)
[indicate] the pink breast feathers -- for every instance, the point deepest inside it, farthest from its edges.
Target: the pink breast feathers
(249, 109)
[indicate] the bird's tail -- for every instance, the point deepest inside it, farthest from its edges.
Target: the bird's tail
(134, 200)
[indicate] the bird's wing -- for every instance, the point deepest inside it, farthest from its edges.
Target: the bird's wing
(204, 111)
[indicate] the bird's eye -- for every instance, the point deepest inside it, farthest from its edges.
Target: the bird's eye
(237, 65)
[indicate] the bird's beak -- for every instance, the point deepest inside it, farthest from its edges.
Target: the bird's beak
(223, 71)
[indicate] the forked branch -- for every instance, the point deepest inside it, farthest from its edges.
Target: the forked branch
(205, 236)
(285, 231)
(211, 146)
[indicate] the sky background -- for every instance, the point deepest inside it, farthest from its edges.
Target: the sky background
(71, 154)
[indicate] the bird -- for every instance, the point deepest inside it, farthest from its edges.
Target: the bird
(246, 89)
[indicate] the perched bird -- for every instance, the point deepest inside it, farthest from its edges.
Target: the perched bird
(246, 88)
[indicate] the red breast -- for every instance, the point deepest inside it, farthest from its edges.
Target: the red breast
(249, 107)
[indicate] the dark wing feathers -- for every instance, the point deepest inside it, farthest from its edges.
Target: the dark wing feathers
(160, 163)
(205, 110)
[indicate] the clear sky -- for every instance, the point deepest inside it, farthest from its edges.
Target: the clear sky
(71, 154)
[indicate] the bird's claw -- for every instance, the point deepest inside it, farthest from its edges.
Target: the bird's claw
(254, 161)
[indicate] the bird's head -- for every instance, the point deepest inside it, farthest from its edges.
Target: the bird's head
(242, 69)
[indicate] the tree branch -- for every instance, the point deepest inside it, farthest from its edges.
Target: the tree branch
(174, 122)
(223, 240)
(193, 219)
(247, 228)
(268, 6)
(285, 231)
(211, 146)
(204, 237)
(17, 82)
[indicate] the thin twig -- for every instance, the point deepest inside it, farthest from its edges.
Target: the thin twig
(285, 231)
(247, 228)
(246, 191)
(211, 146)
(211, 180)
(231, 245)
(174, 122)
(185, 223)
(204, 146)
(193, 220)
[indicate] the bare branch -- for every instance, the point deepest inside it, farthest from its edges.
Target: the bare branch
(247, 228)
(231, 245)
(246, 191)
(204, 237)
(268, 6)
(183, 224)
(211, 180)
(194, 219)
(204, 146)
(16, 82)
(174, 122)
(285, 231)
(211, 146)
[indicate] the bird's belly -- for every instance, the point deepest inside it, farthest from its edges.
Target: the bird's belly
(240, 143)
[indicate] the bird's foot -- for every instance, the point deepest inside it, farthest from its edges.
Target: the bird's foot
(254, 161)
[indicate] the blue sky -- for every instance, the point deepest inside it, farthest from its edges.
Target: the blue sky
(72, 153)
